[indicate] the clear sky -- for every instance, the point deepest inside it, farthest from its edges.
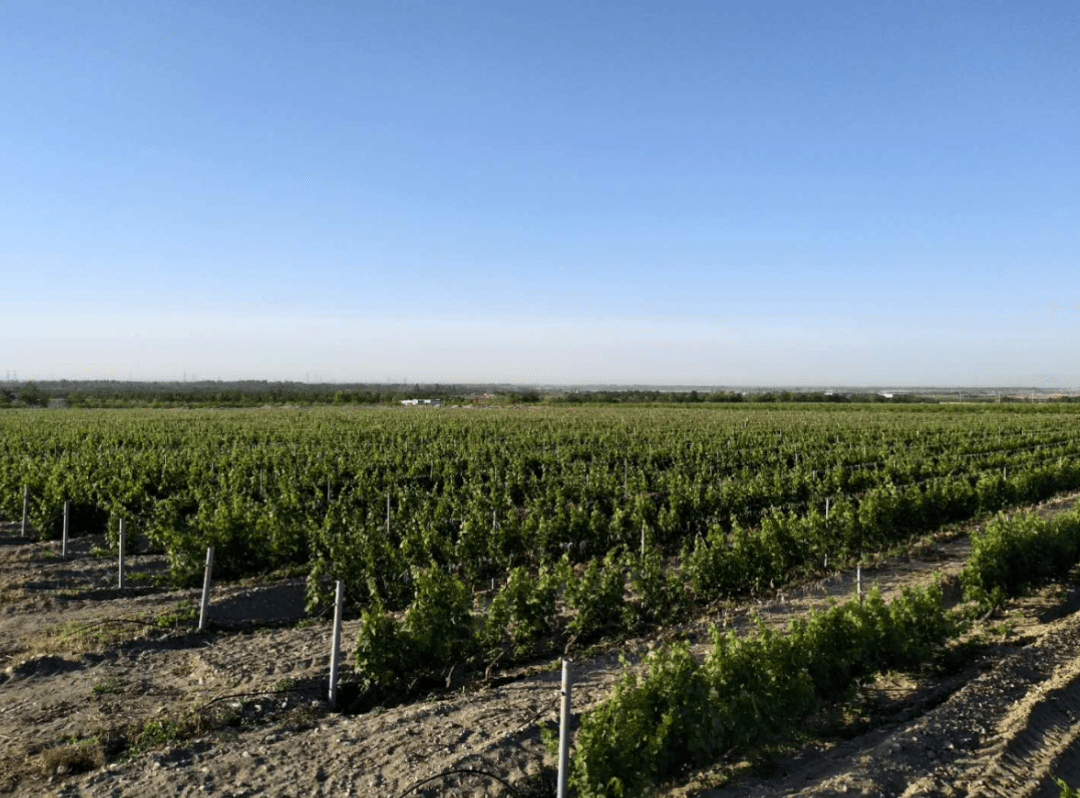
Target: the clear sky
(709, 193)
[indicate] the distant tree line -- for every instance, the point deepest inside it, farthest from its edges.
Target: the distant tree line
(691, 397)
(256, 393)
(25, 395)
(245, 393)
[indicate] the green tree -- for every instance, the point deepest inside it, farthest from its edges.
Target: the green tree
(31, 395)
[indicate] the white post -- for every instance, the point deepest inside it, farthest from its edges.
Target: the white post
(642, 538)
(208, 575)
(63, 540)
(826, 511)
(858, 582)
(564, 731)
(25, 507)
(388, 515)
(120, 580)
(335, 649)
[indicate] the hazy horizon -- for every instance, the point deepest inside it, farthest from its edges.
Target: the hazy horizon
(618, 193)
(196, 381)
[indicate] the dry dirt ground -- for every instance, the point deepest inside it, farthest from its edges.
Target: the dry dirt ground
(110, 693)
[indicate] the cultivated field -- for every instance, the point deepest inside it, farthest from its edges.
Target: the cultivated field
(515, 537)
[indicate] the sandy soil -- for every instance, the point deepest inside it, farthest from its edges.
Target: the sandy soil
(82, 670)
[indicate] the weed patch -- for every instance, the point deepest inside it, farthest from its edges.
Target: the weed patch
(107, 686)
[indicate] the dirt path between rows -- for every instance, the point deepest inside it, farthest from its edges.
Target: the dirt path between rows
(1000, 726)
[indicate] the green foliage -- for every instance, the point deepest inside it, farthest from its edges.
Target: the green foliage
(749, 689)
(917, 626)
(659, 597)
(549, 738)
(523, 612)
(155, 734)
(1066, 790)
(596, 595)
(739, 491)
(709, 566)
(648, 729)
(106, 686)
(744, 559)
(384, 653)
(439, 621)
(31, 395)
(438, 631)
(185, 613)
(1010, 554)
(491, 492)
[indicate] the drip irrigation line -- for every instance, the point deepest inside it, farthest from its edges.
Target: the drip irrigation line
(467, 771)
(543, 711)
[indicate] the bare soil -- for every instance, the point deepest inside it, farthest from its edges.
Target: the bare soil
(110, 693)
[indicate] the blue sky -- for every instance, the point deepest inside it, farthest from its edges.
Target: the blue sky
(693, 192)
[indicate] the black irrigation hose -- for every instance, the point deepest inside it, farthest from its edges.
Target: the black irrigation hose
(467, 771)
(554, 704)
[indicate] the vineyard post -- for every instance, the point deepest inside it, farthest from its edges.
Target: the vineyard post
(335, 645)
(25, 507)
(642, 538)
(120, 579)
(63, 539)
(387, 515)
(564, 730)
(858, 582)
(208, 575)
(826, 511)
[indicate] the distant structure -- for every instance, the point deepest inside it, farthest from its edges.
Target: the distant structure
(415, 402)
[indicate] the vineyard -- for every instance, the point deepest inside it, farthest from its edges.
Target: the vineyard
(473, 541)
(744, 498)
